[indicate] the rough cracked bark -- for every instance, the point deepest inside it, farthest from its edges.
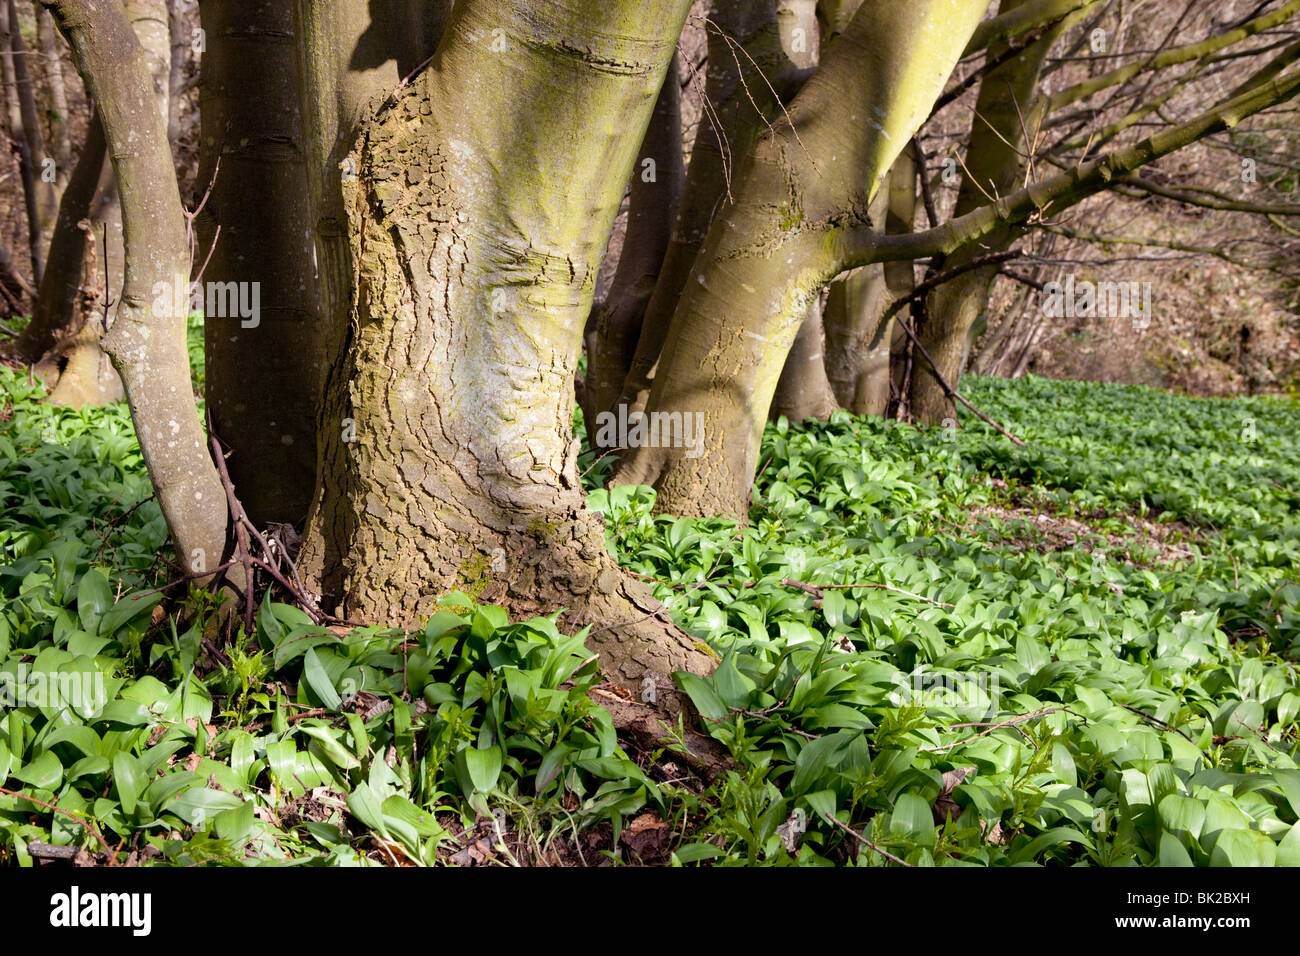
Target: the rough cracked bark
(448, 455)
(147, 338)
(349, 51)
(804, 188)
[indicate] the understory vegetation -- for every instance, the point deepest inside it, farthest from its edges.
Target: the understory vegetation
(936, 647)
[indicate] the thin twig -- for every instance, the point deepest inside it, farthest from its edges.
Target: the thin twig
(1013, 722)
(867, 843)
(72, 816)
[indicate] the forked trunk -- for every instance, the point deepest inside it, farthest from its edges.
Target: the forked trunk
(760, 53)
(802, 196)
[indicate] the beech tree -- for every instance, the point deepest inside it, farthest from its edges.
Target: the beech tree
(421, 195)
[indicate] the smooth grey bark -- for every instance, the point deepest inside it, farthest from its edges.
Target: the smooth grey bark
(653, 201)
(263, 371)
(803, 391)
(146, 341)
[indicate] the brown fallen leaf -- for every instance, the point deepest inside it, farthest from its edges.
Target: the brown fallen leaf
(646, 837)
(945, 807)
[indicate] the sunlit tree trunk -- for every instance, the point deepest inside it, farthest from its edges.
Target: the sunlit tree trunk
(1007, 114)
(858, 336)
(146, 340)
(447, 450)
(804, 188)
(760, 52)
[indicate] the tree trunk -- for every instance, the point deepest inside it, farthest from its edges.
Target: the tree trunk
(57, 114)
(25, 133)
(263, 370)
(179, 41)
(657, 181)
(800, 197)
(13, 287)
(447, 448)
(803, 391)
(55, 316)
(58, 314)
(858, 337)
(1007, 107)
(147, 338)
(760, 52)
(349, 51)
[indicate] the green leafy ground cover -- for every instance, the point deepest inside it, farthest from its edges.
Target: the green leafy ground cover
(937, 648)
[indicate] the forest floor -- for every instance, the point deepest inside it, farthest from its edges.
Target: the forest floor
(937, 648)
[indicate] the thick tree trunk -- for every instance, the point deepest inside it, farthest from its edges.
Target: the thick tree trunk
(263, 368)
(147, 338)
(447, 448)
(858, 336)
(657, 181)
(801, 195)
(349, 52)
(1006, 108)
(803, 391)
(760, 52)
